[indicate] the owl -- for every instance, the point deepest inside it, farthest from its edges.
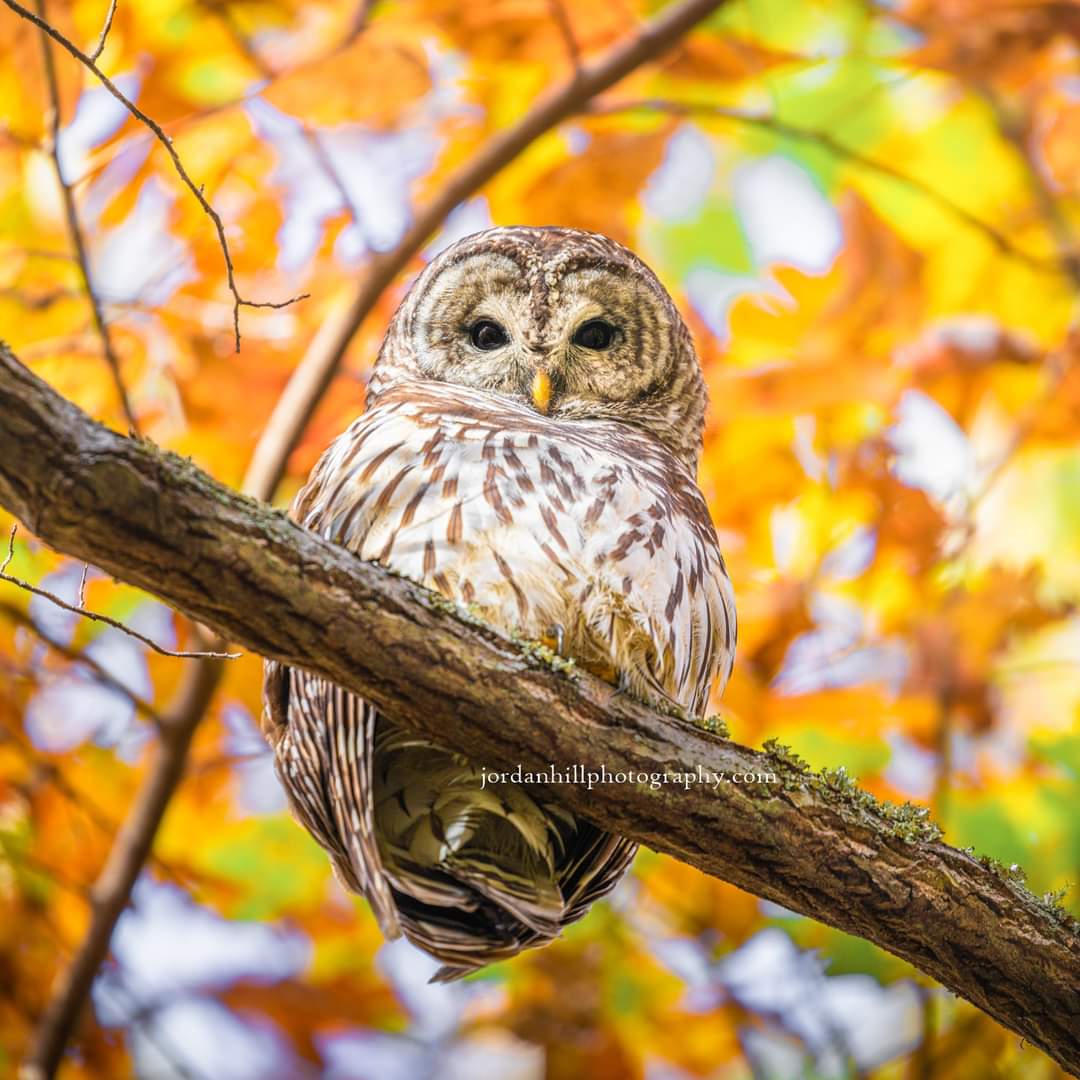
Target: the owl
(529, 449)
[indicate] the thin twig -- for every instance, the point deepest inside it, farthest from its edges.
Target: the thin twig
(1016, 134)
(316, 370)
(38, 253)
(181, 123)
(78, 609)
(832, 145)
(99, 48)
(72, 215)
(178, 165)
(76, 656)
(359, 21)
(566, 31)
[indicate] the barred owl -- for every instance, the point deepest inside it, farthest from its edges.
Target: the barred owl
(529, 450)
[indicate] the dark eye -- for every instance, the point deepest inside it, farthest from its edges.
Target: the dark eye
(595, 334)
(487, 335)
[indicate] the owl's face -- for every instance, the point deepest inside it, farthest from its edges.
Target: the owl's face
(566, 321)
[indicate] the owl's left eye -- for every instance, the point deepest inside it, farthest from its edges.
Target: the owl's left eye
(487, 335)
(595, 334)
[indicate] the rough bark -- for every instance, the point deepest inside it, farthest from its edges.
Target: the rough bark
(818, 848)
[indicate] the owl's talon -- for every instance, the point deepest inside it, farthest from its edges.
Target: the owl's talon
(554, 637)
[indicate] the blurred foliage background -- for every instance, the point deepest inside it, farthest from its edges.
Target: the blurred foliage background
(868, 213)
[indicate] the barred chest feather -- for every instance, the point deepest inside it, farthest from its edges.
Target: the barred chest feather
(534, 522)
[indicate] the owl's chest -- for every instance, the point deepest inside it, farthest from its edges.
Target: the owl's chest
(509, 520)
(502, 522)
(535, 522)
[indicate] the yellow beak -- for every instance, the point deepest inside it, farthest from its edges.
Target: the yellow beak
(541, 390)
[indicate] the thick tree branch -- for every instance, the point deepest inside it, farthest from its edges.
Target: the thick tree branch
(811, 844)
(324, 355)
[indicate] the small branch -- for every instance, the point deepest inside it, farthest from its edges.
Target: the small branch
(360, 21)
(78, 609)
(811, 842)
(113, 886)
(1016, 134)
(316, 370)
(71, 212)
(832, 145)
(99, 48)
(566, 31)
(178, 165)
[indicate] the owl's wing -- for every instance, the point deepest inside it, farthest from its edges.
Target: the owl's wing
(323, 738)
(597, 866)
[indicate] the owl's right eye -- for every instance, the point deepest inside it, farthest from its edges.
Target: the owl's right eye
(487, 335)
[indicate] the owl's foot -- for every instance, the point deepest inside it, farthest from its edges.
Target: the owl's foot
(554, 637)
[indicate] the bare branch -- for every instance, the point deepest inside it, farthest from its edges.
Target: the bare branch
(238, 300)
(76, 656)
(566, 30)
(1017, 134)
(72, 215)
(78, 609)
(813, 843)
(832, 145)
(99, 48)
(360, 21)
(316, 370)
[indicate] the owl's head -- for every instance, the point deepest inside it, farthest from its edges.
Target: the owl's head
(565, 320)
